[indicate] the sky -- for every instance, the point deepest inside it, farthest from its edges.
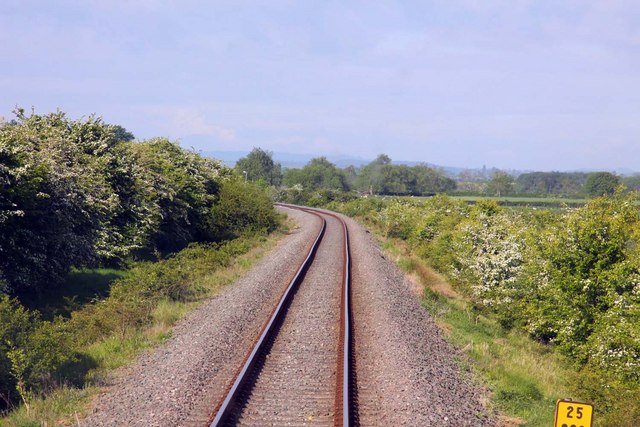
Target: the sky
(513, 84)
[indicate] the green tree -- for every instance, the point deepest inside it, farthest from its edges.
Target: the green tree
(601, 183)
(632, 183)
(382, 177)
(259, 165)
(545, 183)
(54, 199)
(81, 192)
(501, 184)
(242, 207)
(184, 190)
(351, 173)
(76, 193)
(122, 134)
(431, 181)
(319, 173)
(370, 178)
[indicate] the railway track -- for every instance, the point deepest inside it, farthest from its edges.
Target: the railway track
(299, 371)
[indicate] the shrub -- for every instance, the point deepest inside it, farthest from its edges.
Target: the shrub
(489, 256)
(398, 218)
(80, 192)
(570, 278)
(32, 352)
(241, 208)
(16, 324)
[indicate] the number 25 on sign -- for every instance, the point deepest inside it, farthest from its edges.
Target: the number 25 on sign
(573, 414)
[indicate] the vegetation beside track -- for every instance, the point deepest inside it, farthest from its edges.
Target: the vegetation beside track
(81, 204)
(524, 377)
(139, 313)
(545, 301)
(542, 202)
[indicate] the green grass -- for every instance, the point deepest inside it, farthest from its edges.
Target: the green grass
(525, 377)
(115, 351)
(59, 408)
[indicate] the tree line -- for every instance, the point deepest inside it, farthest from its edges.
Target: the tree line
(84, 193)
(378, 177)
(559, 184)
(382, 177)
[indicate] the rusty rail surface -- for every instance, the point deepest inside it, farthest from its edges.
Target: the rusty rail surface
(344, 405)
(343, 401)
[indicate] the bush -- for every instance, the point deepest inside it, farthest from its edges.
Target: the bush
(586, 265)
(183, 188)
(241, 208)
(37, 356)
(569, 278)
(489, 256)
(80, 193)
(32, 353)
(399, 217)
(16, 324)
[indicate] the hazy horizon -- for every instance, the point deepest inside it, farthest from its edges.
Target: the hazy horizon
(296, 160)
(527, 85)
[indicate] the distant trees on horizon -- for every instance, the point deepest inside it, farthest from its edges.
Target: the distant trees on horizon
(382, 177)
(378, 177)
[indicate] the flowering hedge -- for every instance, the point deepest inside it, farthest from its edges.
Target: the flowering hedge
(82, 192)
(570, 278)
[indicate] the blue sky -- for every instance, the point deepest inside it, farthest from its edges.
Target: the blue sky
(545, 85)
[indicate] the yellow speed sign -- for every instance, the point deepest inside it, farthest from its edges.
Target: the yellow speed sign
(573, 414)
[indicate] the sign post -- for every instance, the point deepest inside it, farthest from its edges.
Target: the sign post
(573, 414)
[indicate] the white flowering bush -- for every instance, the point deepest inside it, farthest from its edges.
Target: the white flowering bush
(398, 219)
(489, 254)
(82, 192)
(569, 278)
(615, 344)
(53, 197)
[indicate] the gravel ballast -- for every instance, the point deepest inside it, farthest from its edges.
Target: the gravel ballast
(406, 373)
(176, 383)
(296, 384)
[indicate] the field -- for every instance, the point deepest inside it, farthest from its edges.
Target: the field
(526, 201)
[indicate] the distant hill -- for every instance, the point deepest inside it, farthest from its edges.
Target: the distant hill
(293, 160)
(287, 160)
(618, 171)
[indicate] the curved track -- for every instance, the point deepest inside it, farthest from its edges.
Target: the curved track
(299, 371)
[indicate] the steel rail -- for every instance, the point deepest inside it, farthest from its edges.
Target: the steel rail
(345, 329)
(343, 400)
(343, 404)
(225, 408)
